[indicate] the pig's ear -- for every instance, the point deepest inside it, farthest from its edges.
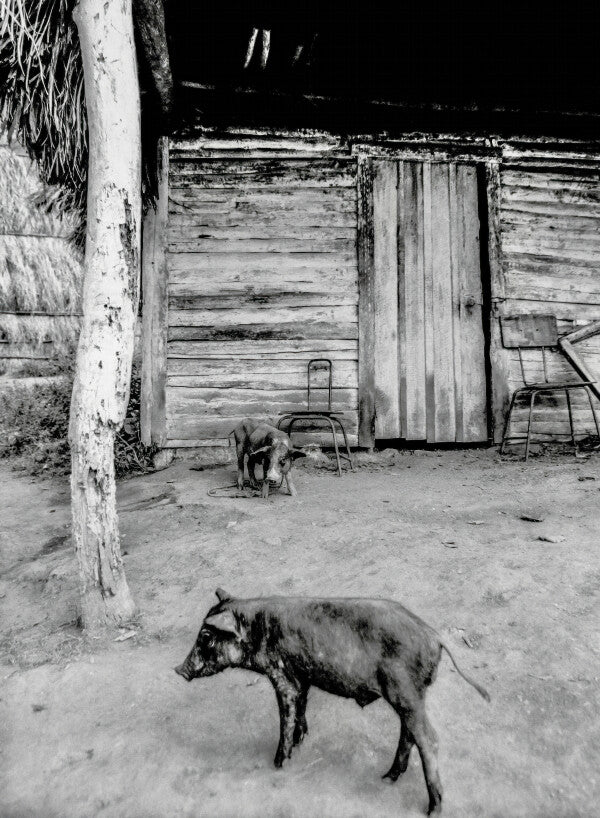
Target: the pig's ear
(296, 453)
(225, 622)
(222, 595)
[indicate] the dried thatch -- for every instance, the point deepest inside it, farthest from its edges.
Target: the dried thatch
(41, 77)
(42, 94)
(40, 271)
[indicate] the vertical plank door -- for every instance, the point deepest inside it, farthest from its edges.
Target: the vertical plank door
(429, 345)
(385, 276)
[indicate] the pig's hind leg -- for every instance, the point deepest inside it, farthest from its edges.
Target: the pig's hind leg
(405, 745)
(408, 702)
(426, 740)
(239, 447)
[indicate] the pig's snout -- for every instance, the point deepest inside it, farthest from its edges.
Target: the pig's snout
(183, 671)
(191, 667)
(273, 477)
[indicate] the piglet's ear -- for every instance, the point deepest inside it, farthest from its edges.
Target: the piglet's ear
(225, 622)
(296, 453)
(262, 450)
(222, 595)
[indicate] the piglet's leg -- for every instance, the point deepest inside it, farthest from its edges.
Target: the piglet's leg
(287, 698)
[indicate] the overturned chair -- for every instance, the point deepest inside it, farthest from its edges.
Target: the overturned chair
(320, 415)
(540, 333)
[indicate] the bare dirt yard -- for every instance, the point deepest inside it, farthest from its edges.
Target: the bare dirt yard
(502, 557)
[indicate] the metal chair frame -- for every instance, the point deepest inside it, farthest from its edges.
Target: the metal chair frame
(532, 390)
(324, 415)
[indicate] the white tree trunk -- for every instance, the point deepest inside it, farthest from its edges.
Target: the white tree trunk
(110, 303)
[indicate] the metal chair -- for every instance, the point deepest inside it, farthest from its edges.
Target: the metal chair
(538, 332)
(325, 415)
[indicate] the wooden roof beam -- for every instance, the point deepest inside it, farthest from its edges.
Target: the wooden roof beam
(149, 19)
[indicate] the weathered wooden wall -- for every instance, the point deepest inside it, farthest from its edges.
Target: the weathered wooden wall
(266, 236)
(548, 220)
(262, 276)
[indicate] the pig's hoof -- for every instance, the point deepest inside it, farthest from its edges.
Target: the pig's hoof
(393, 775)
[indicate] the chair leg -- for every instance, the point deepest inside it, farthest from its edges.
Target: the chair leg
(335, 444)
(348, 453)
(507, 422)
(593, 408)
(531, 403)
(569, 407)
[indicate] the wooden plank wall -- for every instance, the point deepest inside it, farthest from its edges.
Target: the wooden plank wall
(549, 222)
(262, 277)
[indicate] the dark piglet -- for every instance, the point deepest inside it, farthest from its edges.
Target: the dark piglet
(264, 445)
(362, 649)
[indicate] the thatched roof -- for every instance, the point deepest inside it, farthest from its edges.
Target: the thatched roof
(42, 97)
(41, 77)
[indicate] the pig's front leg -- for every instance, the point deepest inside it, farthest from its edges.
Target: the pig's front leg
(301, 728)
(252, 464)
(290, 485)
(287, 698)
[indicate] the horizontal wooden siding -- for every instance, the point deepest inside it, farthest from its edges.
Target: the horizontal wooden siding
(262, 277)
(549, 218)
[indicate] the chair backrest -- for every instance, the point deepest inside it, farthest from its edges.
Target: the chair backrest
(316, 365)
(530, 332)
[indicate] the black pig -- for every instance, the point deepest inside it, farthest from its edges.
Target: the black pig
(362, 649)
(266, 445)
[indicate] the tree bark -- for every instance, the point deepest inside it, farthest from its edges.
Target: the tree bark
(110, 303)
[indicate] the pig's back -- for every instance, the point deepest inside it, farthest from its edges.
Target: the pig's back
(342, 643)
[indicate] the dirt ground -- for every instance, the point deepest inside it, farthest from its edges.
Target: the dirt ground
(91, 728)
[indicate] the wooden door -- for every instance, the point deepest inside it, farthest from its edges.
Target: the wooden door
(428, 345)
